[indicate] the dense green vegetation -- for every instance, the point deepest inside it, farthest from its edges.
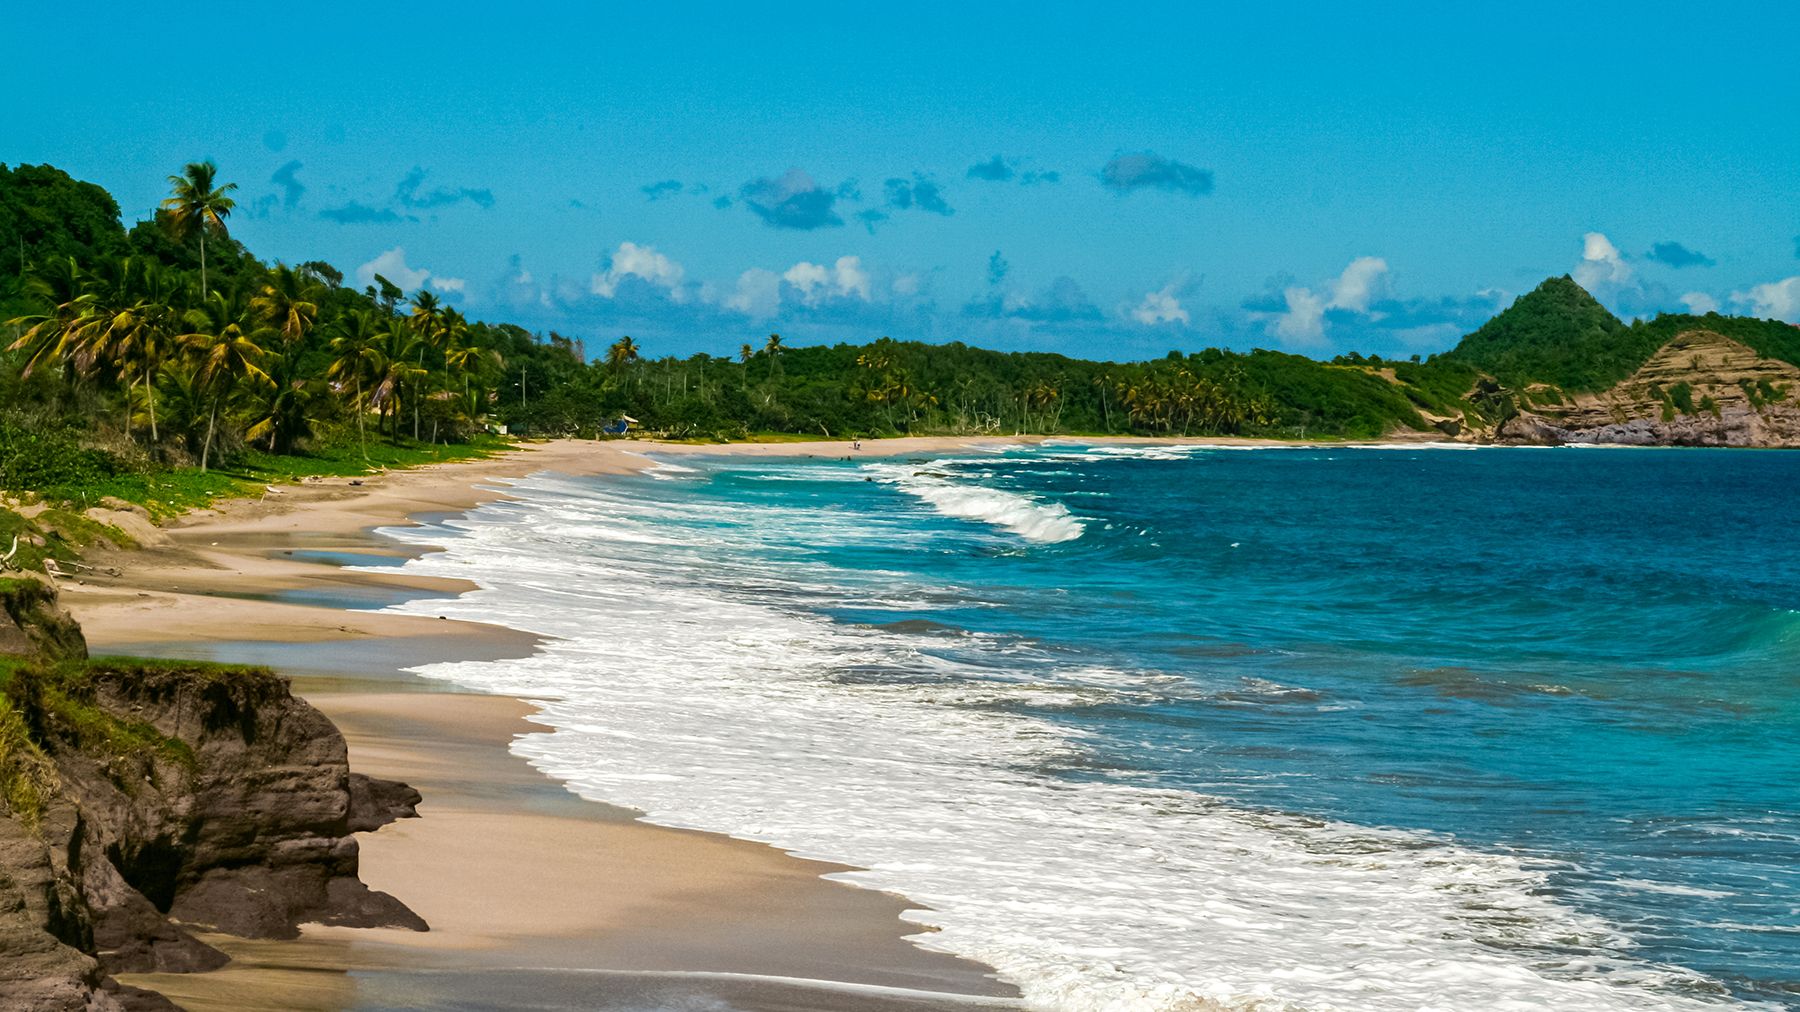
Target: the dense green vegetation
(171, 345)
(167, 365)
(1559, 336)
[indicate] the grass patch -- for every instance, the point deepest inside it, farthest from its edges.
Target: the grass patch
(55, 704)
(168, 492)
(27, 779)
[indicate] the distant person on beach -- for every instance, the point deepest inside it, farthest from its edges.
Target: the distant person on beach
(856, 444)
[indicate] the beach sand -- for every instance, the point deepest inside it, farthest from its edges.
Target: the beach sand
(536, 898)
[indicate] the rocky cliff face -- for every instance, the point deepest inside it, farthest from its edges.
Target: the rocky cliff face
(1700, 389)
(143, 800)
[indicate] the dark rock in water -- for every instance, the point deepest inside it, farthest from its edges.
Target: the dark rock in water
(144, 800)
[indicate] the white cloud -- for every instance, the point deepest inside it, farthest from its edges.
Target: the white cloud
(758, 293)
(1304, 321)
(1777, 300)
(633, 261)
(1601, 263)
(1700, 303)
(392, 266)
(448, 285)
(1160, 307)
(806, 277)
(907, 284)
(850, 278)
(816, 281)
(1359, 285)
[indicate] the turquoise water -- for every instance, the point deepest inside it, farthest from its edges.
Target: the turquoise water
(1357, 728)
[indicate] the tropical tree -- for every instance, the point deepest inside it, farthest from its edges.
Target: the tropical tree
(399, 343)
(773, 349)
(623, 353)
(357, 360)
(145, 331)
(289, 303)
(197, 206)
(223, 342)
(465, 356)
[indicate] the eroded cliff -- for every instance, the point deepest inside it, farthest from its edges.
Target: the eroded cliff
(142, 800)
(1699, 389)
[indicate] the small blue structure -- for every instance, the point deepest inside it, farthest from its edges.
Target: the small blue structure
(618, 426)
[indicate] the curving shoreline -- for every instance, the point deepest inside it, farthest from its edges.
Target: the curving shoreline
(510, 869)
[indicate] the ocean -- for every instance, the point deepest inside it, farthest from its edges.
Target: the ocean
(1155, 727)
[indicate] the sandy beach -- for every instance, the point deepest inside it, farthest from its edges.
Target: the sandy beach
(535, 897)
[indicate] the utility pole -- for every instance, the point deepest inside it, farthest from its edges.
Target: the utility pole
(524, 400)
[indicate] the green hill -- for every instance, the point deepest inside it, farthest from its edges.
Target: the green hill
(1556, 334)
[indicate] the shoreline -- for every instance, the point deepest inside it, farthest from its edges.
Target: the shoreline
(511, 869)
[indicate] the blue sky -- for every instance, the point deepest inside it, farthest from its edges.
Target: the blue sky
(1109, 183)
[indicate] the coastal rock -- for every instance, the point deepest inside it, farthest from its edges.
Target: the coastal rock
(31, 623)
(1700, 389)
(143, 800)
(375, 803)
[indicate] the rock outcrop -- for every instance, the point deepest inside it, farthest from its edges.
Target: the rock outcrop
(143, 800)
(31, 624)
(1700, 389)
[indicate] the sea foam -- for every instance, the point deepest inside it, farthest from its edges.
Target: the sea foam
(691, 677)
(1021, 514)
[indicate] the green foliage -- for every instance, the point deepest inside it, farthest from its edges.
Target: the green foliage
(1681, 396)
(27, 779)
(137, 355)
(1768, 338)
(38, 458)
(46, 215)
(1556, 334)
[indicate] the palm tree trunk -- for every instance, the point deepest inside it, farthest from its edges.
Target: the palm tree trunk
(416, 396)
(150, 391)
(203, 292)
(362, 409)
(130, 385)
(206, 447)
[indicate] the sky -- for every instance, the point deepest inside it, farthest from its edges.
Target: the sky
(1109, 181)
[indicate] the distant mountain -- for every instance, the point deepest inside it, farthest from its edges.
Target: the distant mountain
(1556, 334)
(1556, 367)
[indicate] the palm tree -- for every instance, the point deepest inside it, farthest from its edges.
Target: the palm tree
(58, 288)
(289, 303)
(197, 207)
(745, 354)
(281, 407)
(356, 358)
(464, 356)
(398, 344)
(773, 350)
(428, 319)
(225, 349)
(145, 332)
(426, 311)
(622, 354)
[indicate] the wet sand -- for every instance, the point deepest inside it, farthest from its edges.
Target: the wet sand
(536, 898)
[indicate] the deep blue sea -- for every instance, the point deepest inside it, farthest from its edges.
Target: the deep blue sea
(1151, 727)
